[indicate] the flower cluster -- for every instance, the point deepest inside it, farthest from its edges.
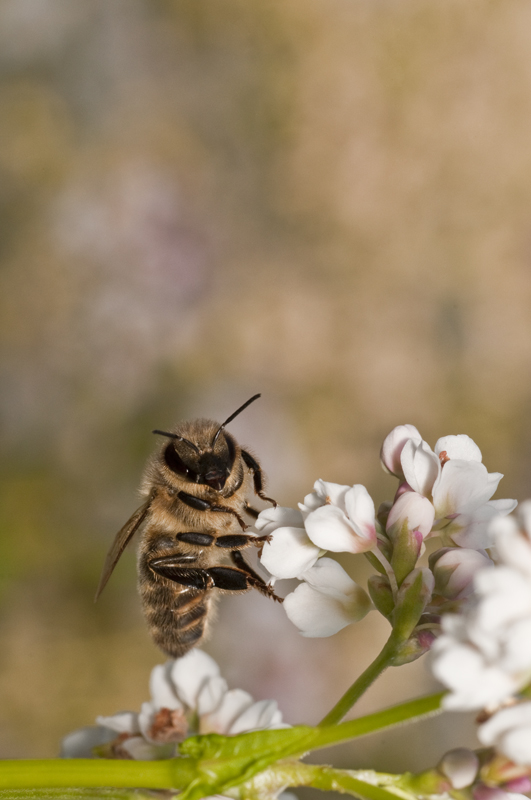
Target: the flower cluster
(484, 654)
(443, 492)
(188, 697)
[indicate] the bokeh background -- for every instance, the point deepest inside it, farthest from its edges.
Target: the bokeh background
(326, 201)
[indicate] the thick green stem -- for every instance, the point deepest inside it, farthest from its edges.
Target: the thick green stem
(361, 684)
(170, 773)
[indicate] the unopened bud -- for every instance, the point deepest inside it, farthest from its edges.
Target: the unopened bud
(413, 597)
(415, 647)
(460, 767)
(381, 594)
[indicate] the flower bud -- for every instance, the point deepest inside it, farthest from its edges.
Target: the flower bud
(418, 643)
(460, 767)
(454, 569)
(393, 446)
(414, 509)
(381, 594)
(413, 597)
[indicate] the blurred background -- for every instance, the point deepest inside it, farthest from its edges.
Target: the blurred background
(326, 201)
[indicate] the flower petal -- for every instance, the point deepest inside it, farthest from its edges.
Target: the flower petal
(460, 446)
(317, 613)
(462, 487)
(330, 529)
(420, 465)
(122, 722)
(359, 506)
(161, 687)
(81, 743)
(260, 715)
(289, 553)
(190, 673)
(211, 694)
(233, 704)
(394, 444)
(279, 517)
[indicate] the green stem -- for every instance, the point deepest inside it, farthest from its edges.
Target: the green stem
(361, 684)
(36, 773)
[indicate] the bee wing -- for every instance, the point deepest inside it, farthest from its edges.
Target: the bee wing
(122, 538)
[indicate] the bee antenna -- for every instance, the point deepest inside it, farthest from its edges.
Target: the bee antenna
(229, 419)
(179, 438)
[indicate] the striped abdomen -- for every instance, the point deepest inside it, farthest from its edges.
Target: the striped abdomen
(176, 615)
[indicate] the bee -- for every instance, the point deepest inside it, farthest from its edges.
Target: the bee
(195, 488)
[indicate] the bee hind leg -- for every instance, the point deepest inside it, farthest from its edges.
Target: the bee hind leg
(253, 578)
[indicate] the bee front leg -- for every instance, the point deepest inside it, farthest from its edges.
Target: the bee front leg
(253, 465)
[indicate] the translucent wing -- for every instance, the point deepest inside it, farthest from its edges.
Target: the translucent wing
(122, 538)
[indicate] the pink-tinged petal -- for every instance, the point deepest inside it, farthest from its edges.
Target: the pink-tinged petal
(318, 614)
(460, 446)
(416, 509)
(263, 714)
(233, 704)
(279, 517)
(360, 509)
(289, 553)
(394, 444)
(190, 673)
(420, 465)
(122, 722)
(161, 687)
(462, 487)
(329, 529)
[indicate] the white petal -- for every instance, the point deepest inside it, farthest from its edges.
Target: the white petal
(211, 695)
(504, 720)
(460, 446)
(161, 687)
(318, 614)
(462, 487)
(394, 444)
(140, 750)
(328, 576)
(289, 553)
(279, 517)
(324, 493)
(190, 673)
(359, 506)
(258, 716)
(81, 743)
(330, 529)
(420, 466)
(477, 530)
(122, 722)
(233, 704)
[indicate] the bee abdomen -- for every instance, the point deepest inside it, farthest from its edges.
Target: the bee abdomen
(177, 619)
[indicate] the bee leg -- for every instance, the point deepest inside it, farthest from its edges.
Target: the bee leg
(204, 505)
(242, 540)
(253, 578)
(171, 567)
(251, 511)
(257, 476)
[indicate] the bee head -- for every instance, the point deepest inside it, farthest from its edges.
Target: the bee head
(206, 457)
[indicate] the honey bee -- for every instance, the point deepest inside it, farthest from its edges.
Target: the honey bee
(196, 489)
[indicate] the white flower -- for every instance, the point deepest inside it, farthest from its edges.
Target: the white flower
(509, 730)
(346, 526)
(290, 552)
(326, 601)
(188, 696)
(484, 655)
(454, 569)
